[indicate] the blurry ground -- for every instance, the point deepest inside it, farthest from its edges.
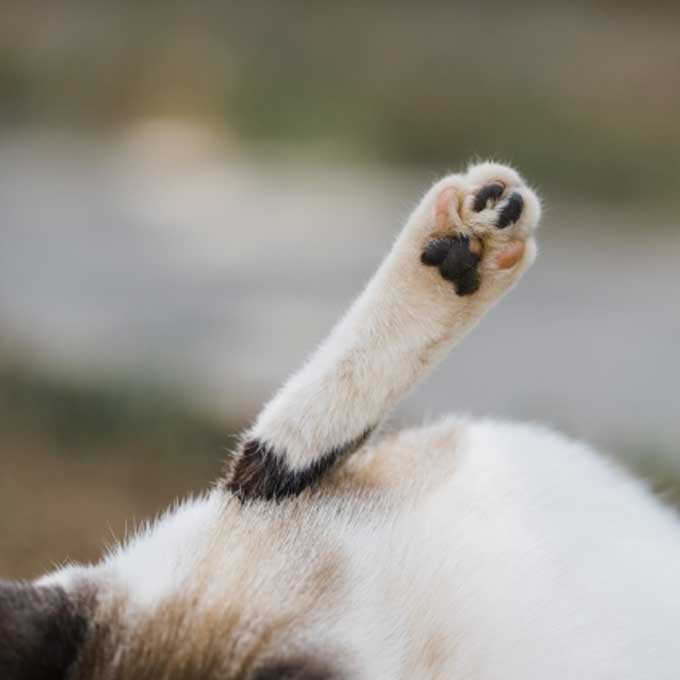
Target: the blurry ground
(82, 465)
(191, 193)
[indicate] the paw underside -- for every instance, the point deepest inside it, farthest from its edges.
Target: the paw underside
(457, 259)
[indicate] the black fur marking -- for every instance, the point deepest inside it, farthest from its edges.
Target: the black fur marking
(493, 191)
(41, 631)
(294, 670)
(511, 211)
(261, 473)
(458, 265)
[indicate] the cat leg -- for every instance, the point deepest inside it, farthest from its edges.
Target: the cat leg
(467, 242)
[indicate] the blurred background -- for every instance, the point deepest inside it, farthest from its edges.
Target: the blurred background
(191, 193)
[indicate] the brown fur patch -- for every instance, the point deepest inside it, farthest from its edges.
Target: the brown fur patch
(295, 669)
(180, 639)
(225, 625)
(436, 652)
(413, 462)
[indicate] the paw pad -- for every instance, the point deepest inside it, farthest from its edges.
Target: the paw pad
(456, 261)
(490, 191)
(509, 211)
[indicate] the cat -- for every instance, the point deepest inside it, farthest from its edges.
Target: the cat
(476, 550)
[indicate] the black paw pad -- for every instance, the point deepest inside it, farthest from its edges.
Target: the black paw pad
(456, 262)
(511, 211)
(494, 191)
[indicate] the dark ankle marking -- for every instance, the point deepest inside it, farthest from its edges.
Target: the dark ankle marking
(262, 473)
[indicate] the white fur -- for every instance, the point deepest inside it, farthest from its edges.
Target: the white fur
(536, 559)
(487, 551)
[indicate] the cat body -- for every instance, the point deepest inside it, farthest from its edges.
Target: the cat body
(466, 549)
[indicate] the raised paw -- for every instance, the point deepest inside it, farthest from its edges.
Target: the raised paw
(482, 222)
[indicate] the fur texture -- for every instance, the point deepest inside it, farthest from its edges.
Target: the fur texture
(465, 549)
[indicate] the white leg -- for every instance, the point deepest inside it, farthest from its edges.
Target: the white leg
(468, 241)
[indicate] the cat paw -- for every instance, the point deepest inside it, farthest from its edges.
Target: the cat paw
(482, 225)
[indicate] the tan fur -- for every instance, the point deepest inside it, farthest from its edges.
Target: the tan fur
(388, 466)
(191, 635)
